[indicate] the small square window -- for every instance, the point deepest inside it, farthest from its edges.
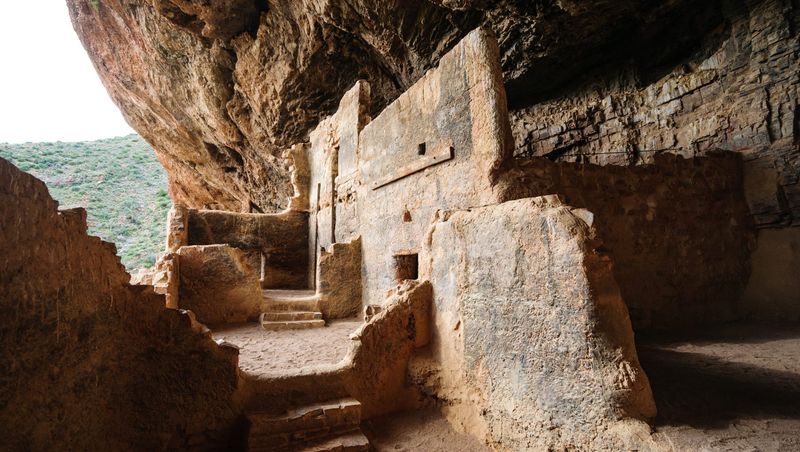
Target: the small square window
(422, 148)
(406, 266)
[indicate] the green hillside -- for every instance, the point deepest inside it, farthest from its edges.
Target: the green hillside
(118, 181)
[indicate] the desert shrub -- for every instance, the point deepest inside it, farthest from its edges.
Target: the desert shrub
(119, 181)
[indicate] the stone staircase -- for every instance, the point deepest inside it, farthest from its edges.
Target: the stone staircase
(290, 310)
(319, 427)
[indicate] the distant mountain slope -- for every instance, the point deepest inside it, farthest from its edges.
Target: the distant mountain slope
(119, 182)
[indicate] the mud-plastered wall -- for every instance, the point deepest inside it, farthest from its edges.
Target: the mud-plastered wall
(435, 147)
(281, 239)
(89, 362)
(532, 346)
(679, 230)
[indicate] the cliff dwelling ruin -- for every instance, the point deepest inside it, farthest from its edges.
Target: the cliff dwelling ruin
(426, 226)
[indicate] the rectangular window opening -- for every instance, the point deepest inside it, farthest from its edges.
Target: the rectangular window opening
(406, 266)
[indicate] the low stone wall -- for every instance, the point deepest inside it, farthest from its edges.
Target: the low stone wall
(679, 230)
(339, 280)
(218, 285)
(532, 346)
(90, 362)
(382, 348)
(282, 238)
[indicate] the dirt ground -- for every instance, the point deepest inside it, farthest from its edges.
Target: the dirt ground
(275, 353)
(417, 431)
(735, 387)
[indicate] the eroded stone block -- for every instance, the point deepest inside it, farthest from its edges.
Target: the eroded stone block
(218, 285)
(339, 280)
(532, 335)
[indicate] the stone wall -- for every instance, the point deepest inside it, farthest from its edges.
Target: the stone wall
(281, 238)
(339, 280)
(773, 290)
(90, 362)
(532, 346)
(738, 91)
(436, 147)
(218, 284)
(678, 229)
(333, 165)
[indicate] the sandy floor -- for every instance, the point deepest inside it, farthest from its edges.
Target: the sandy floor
(418, 431)
(271, 353)
(735, 387)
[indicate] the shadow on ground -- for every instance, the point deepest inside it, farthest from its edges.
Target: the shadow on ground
(712, 378)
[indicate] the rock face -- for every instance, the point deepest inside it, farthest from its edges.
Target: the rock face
(88, 359)
(221, 90)
(736, 91)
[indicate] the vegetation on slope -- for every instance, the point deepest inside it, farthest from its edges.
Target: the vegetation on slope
(119, 182)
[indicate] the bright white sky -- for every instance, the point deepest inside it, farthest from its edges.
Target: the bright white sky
(49, 90)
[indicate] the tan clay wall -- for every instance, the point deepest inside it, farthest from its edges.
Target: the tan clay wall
(458, 107)
(332, 162)
(280, 237)
(89, 362)
(218, 284)
(532, 346)
(679, 230)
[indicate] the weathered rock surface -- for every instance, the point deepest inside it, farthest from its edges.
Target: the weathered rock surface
(88, 361)
(532, 345)
(339, 280)
(736, 90)
(221, 90)
(218, 285)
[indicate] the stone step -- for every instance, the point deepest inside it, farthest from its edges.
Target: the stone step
(348, 442)
(288, 316)
(296, 305)
(291, 325)
(290, 300)
(312, 426)
(289, 295)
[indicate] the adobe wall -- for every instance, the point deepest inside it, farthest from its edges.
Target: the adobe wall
(218, 284)
(90, 362)
(339, 280)
(436, 147)
(679, 230)
(532, 346)
(282, 238)
(332, 159)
